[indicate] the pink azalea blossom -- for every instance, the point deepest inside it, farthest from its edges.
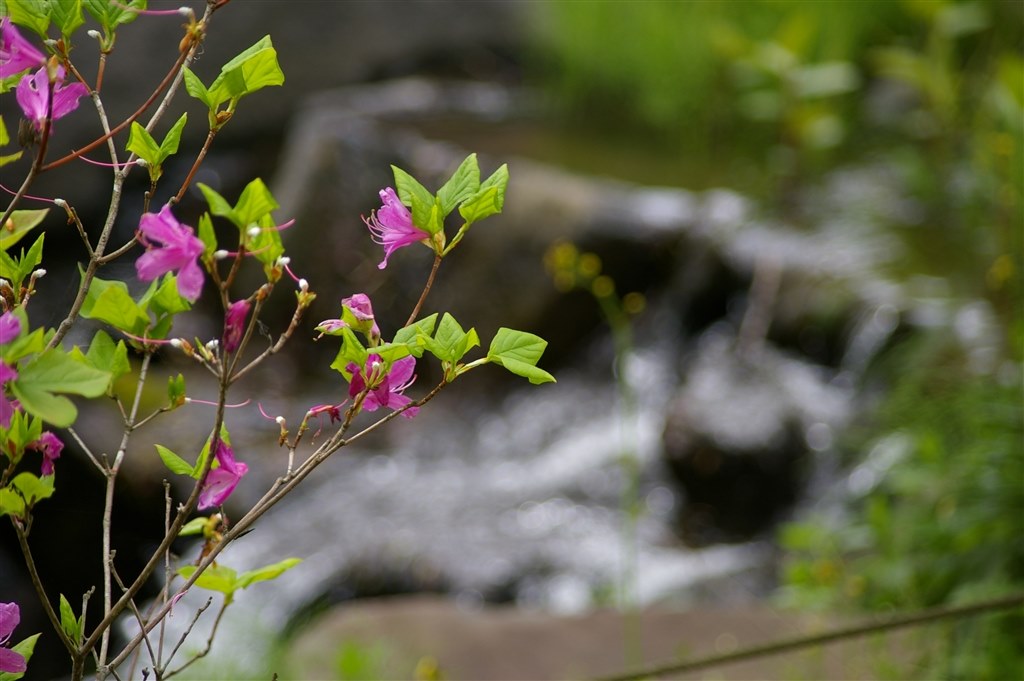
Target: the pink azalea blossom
(221, 481)
(33, 95)
(234, 324)
(10, 328)
(179, 250)
(10, 661)
(360, 307)
(16, 53)
(50, 446)
(385, 390)
(391, 225)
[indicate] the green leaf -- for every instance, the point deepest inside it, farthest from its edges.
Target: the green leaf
(252, 70)
(33, 488)
(215, 578)
(110, 15)
(219, 205)
(450, 343)
(255, 202)
(108, 301)
(351, 351)
(56, 372)
(68, 622)
(266, 246)
(174, 463)
(173, 138)
(105, 355)
(15, 270)
(207, 235)
(18, 225)
(463, 183)
(25, 648)
(32, 14)
(196, 89)
(23, 429)
(519, 352)
(411, 333)
(165, 299)
(176, 391)
(488, 200)
(414, 195)
(194, 526)
(142, 144)
(266, 572)
(66, 15)
(11, 503)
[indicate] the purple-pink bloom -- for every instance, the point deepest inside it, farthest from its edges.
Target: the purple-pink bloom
(221, 481)
(179, 250)
(50, 446)
(234, 324)
(385, 390)
(33, 95)
(16, 53)
(360, 307)
(10, 661)
(391, 225)
(10, 328)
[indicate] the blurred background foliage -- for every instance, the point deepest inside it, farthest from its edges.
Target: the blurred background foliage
(767, 97)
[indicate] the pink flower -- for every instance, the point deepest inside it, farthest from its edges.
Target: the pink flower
(180, 250)
(391, 225)
(234, 324)
(10, 661)
(385, 389)
(221, 481)
(16, 53)
(33, 95)
(50, 446)
(10, 328)
(360, 307)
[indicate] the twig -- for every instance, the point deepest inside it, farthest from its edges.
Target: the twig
(872, 626)
(426, 290)
(209, 641)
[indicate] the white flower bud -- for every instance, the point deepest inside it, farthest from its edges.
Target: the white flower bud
(60, 203)
(220, 255)
(142, 163)
(284, 260)
(39, 273)
(254, 232)
(186, 12)
(94, 34)
(303, 285)
(175, 342)
(280, 421)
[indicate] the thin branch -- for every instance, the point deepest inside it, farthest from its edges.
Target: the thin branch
(872, 626)
(33, 573)
(138, 618)
(209, 641)
(426, 290)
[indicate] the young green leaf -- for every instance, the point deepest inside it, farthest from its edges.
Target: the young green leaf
(408, 334)
(253, 69)
(255, 202)
(351, 352)
(142, 144)
(266, 572)
(519, 352)
(414, 195)
(215, 578)
(19, 224)
(194, 86)
(450, 343)
(56, 372)
(66, 15)
(109, 301)
(11, 503)
(33, 488)
(193, 527)
(174, 463)
(68, 621)
(32, 14)
(110, 15)
(219, 206)
(175, 391)
(463, 183)
(207, 235)
(105, 355)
